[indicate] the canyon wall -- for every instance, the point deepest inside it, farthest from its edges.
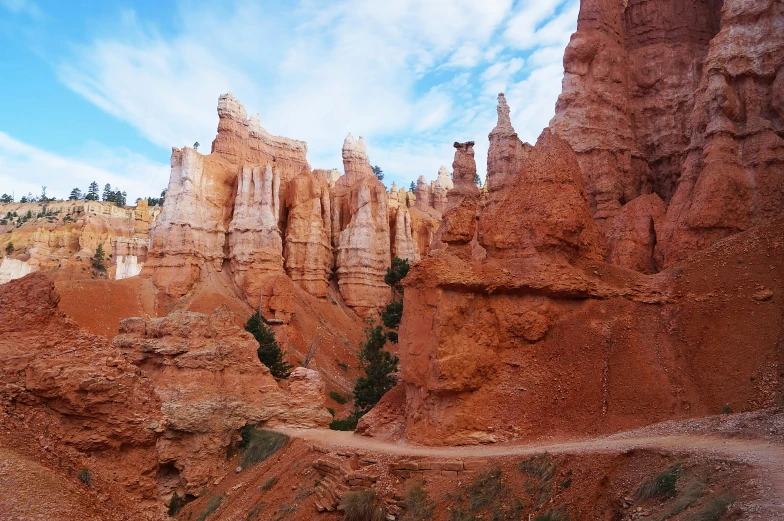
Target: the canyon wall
(534, 316)
(60, 238)
(254, 208)
(682, 100)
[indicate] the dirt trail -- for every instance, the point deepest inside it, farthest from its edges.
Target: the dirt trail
(766, 456)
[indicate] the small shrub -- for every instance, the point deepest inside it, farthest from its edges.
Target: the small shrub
(349, 423)
(85, 477)
(9, 248)
(727, 409)
(662, 485)
(253, 514)
(690, 488)
(554, 514)
(484, 498)
(712, 510)
(213, 504)
(176, 503)
(566, 483)
(331, 411)
(363, 505)
(540, 466)
(418, 506)
(257, 445)
(343, 366)
(271, 482)
(337, 397)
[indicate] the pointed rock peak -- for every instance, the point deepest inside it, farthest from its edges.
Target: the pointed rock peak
(349, 140)
(229, 106)
(443, 171)
(504, 124)
(444, 179)
(421, 179)
(394, 187)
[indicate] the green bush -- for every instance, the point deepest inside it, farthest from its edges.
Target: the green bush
(337, 397)
(269, 353)
(662, 485)
(396, 273)
(98, 258)
(349, 423)
(331, 411)
(363, 505)
(85, 476)
(9, 248)
(257, 445)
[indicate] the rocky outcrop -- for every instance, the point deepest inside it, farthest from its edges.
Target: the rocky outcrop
(255, 206)
(308, 251)
(632, 235)
(360, 233)
(127, 266)
(210, 383)
(678, 99)
(11, 269)
(507, 153)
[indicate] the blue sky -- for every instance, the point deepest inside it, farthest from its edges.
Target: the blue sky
(102, 90)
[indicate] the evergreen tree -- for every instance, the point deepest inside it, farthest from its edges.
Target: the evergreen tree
(5, 198)
(43, 197)
(378, 172)
(412, 187)
(98, 258)
(108, 195)
(269, 353)
(196, 145)
(379, 365)
(477, 180)
(92, 192)
(396, 273)
(76, 194)
(9, 248)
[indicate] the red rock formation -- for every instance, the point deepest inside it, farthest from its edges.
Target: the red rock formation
(632, 235)
(678, 99)
(463, 174)
(507, 153)
(360, 232)
(308, 252)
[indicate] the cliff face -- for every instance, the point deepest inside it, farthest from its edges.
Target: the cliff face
(678, 99)
(255, 208)
(60, 237)
(520, 324)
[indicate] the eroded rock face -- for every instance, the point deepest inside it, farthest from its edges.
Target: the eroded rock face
(632, 235)
(255, 206)
(507, 153)
(360, 234)
(210, 383)
(60, 237)
(11, 269)
(678, 99)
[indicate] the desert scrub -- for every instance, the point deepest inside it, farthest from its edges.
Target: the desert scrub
(363, 505)
(339, 398)
(418, 506)
(257, 445)
(85, 476)
(271, 482)
(540, 470)
(213, 504)
(712, 510)
(662, 485)
(484, 498)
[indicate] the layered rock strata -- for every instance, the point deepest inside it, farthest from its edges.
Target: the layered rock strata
(255, 206)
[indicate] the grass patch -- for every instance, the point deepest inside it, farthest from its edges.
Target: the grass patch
(690, 488)
(255, 512)
(540, 470)
(213, 504)
(271, 482)
(418, 506)
(484, 498)
(363, 505)
(337, 397)
(85, 477)
(663, 485)
(712, 510)
(257, 445)
(554, 514)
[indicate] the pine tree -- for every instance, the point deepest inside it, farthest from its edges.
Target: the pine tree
(269, 353)
(5, 198)
(108, 195)
(412, 187)
(378, 172)
(76, 194)
(379, 365)
(92, 192)
(98, 258)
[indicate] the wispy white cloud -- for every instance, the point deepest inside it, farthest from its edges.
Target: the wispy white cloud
(24, 7)
(25, 168)
(412, 76)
